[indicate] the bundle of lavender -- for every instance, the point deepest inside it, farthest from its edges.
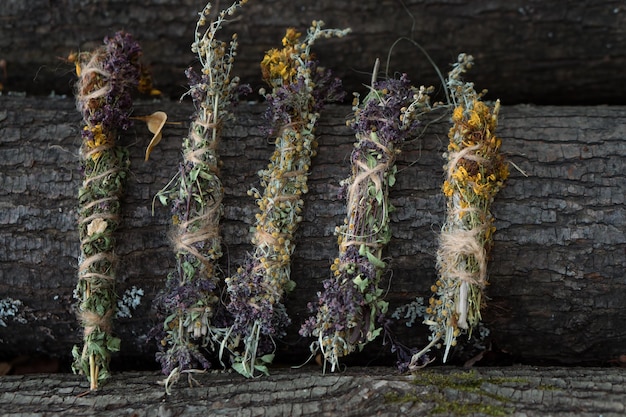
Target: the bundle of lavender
(349, 309)
(299, 90)
(107, 76)
(475, 172)
(189, 305)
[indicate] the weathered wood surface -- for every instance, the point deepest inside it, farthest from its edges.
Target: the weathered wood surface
(514, 391)
(557, 274)
(544, 52)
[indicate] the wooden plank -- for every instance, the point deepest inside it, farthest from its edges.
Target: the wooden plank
(542, 52)
(514, 391)
(557, 273)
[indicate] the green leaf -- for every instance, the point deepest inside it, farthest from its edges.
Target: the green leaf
(374, 260)
(193, 174)
(240, 368)
(188, 269)
(391, 176)
(262, 368)
(207, 176)
(168, 319)
(162, 199)
(269, 358)
(361, 283)
(373, 335)
(379, 197)
(113, 344)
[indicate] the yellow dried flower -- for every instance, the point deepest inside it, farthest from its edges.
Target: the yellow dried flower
(99, 139)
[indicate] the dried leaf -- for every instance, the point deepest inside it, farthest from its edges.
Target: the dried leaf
(155, 123)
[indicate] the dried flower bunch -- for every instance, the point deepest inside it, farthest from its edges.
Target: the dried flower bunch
(349, 310)
(475, 172)
(299, 89)
(190, 302)
(107, 76)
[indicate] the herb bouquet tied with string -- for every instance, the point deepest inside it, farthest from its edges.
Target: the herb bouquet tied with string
(299, 89)
(349, 310)
(190, 302)
(475, 172)
(107, 77)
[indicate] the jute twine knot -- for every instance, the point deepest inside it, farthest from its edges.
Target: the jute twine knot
(93, 82)
(200, 148)
(357, 192)
(199, 229)
(457, 248)
(92, 321)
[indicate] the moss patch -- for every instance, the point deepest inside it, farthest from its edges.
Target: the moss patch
(458, 393)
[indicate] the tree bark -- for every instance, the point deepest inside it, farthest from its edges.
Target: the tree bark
(514, 391)
(556, 273)
(537, 52)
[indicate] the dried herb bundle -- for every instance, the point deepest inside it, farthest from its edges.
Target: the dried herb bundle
(189, 305)
(349, 309)
(475, 172)
(107, 76)
(299, 89)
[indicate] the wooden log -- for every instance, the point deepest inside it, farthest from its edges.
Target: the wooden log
(557, 269)
(542, 53)
(514, 391)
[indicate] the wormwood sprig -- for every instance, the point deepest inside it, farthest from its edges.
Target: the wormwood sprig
(106, 78)
(351, 307)
(189, 304)
(299, 90)
(475, 172)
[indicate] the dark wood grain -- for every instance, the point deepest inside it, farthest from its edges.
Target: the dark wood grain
(526, 51)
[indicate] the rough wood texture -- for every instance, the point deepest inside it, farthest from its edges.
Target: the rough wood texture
(557, 273)
(527, 51)
(514, 391)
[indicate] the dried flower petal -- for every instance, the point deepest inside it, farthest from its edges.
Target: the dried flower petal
(155, 123)
(96, 226)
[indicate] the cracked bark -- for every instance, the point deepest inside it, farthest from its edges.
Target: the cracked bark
(515, 391)
(557, 269)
